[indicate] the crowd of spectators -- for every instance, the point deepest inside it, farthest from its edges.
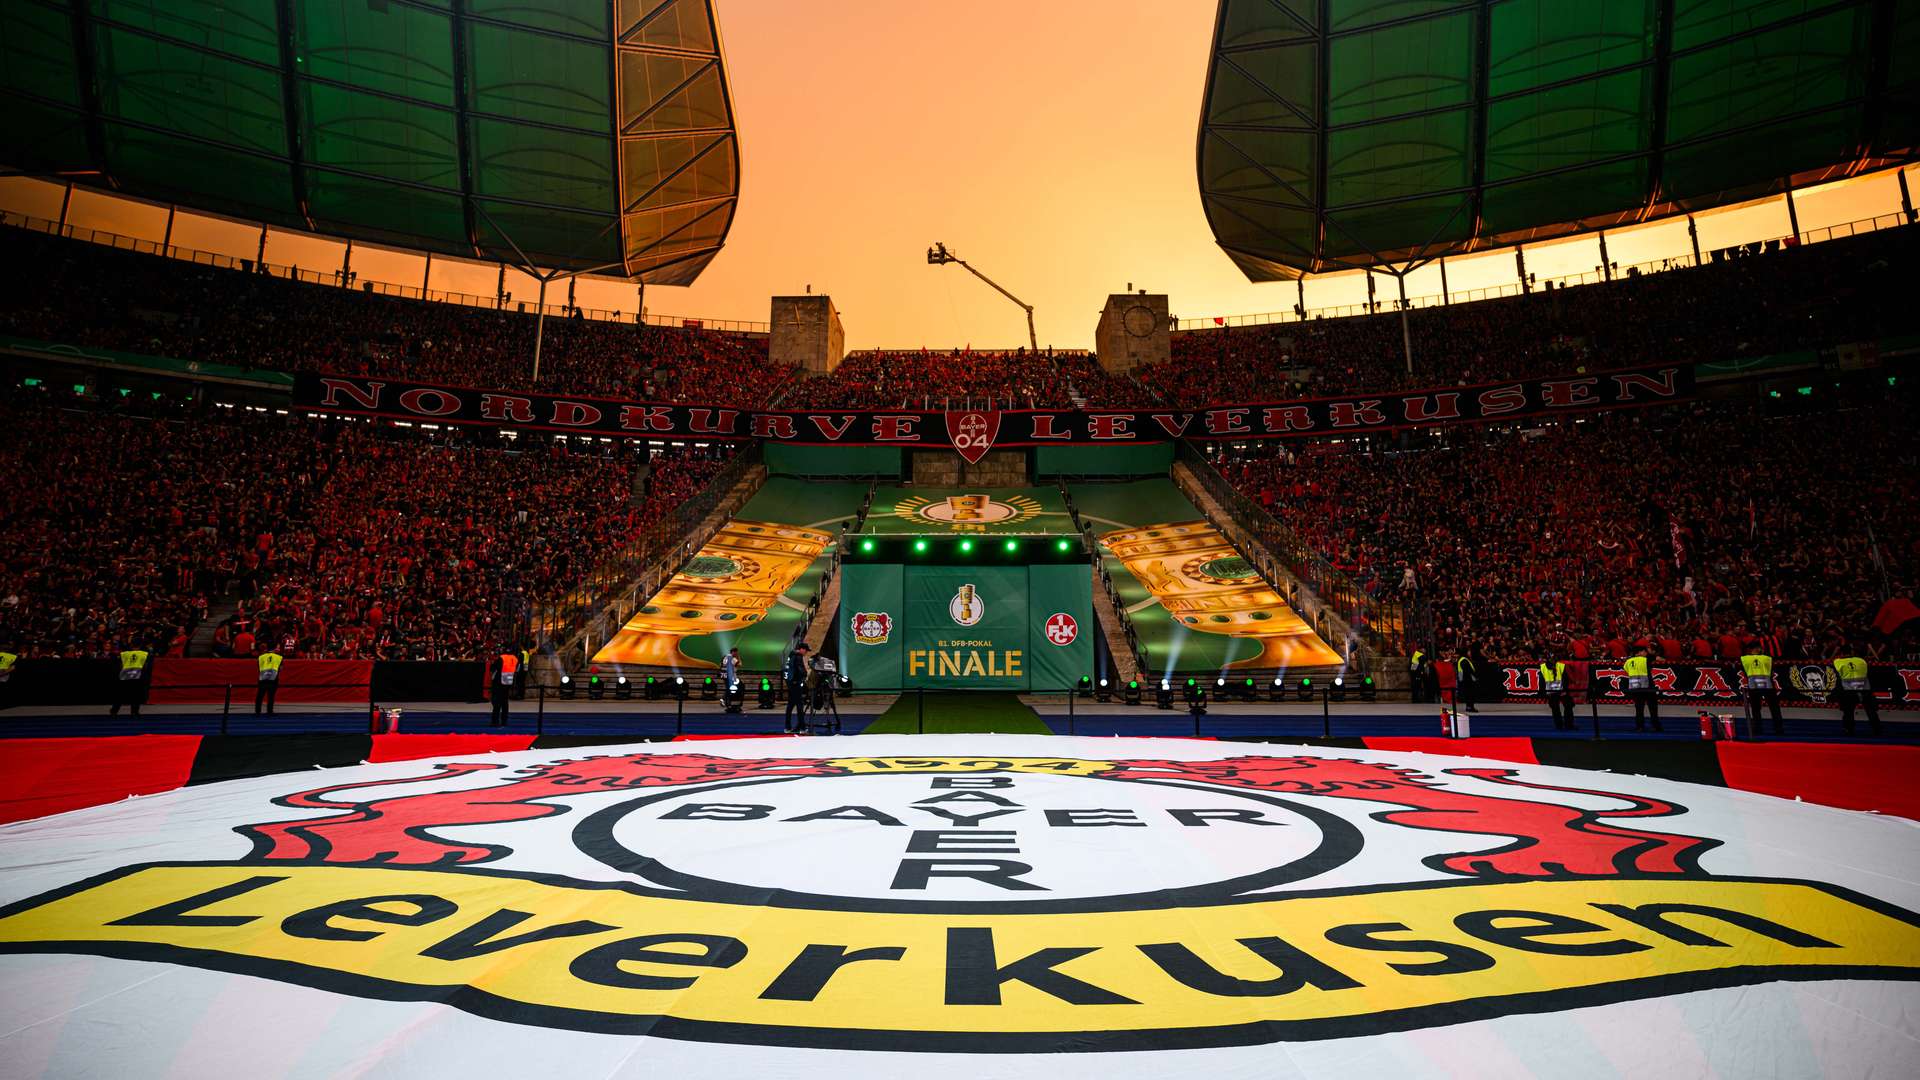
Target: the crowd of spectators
(940, 380)
(337, 539)
(1695, 528)
(77, 293)
(1815, 296)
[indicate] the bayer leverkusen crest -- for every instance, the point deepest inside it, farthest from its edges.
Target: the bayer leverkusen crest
(973, 432)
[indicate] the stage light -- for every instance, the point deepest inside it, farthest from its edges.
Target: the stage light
(1086, 686)
(920, 547)
(621, 690)
(1278, 690)
(1339, 688)
(1133, 691)
(1101, 691)
(1192, 688)
(1248, 691)
(966, 547)
(566, 687)
(1197, 704)
(843, 685)
(766, 693)
(1063, 545)
(866, 546)
(1011, 546)
(1163, 697)
(679, 688)
(653, 688)
(709, 689)
(1306, 689)
(1367, 689)
(594, 690)
(731, 696)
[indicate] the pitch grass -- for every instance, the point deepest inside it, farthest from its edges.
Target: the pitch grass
(957, 712)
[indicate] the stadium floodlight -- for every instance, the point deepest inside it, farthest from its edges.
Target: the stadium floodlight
(1133, 691)
(1163, 697)
(566, 687)
(766, 693)
(1101, 691)
(1085, 688)
(621, 690)
(938, 255)
(709, 689)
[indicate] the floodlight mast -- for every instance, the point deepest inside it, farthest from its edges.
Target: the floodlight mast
(938, 255)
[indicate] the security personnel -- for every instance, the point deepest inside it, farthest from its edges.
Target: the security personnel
(1756, 670)
(1465, 671)
(1646, 698)
(1855, 689)
(525, 673)
(1553, 687)
(506, 669)
(795, 674)
(7, 660)
(1417, 675)
(132, 688)
(269, 684)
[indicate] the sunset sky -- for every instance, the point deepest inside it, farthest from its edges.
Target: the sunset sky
(1049, 144)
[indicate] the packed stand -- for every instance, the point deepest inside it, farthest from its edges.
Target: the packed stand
(1695, 529)
(72, 292)
(337, 539)
(932, 380)
(1738, 308)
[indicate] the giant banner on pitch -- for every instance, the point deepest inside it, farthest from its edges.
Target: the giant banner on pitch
(973, 432)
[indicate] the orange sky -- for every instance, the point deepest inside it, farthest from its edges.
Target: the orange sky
(1051, 144)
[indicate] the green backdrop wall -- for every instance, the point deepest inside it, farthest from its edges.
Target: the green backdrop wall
(1149, 459)
(906, 626)
(832, 460)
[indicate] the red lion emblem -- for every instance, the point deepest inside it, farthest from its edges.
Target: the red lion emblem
(1548, 839)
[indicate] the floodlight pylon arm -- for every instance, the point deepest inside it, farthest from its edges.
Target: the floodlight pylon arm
(939, 254)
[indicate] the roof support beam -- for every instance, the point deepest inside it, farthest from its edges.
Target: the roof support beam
(84, 74)
(462, 139)
(290, 113)
(1657, 138)
(1477, 151)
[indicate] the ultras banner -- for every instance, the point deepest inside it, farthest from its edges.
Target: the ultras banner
(973, 432)
(1810, 683)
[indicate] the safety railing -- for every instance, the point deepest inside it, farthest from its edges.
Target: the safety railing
(348, 278)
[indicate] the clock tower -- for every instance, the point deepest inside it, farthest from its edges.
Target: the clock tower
(1133, 331)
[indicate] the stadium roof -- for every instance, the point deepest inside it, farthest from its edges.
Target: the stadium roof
(588, 134)
(1347, 133)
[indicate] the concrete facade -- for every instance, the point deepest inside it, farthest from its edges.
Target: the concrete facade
(1133, 331)
(806, 333)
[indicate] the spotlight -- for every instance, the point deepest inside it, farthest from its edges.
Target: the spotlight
(1277, 691)
(1163, 697)
(966, 547)
(843, 685)
(653, 688)
(866, 546)
(920, 547)
(1011, 546)
(1063, 545)
(1197, 704)
(1367, 690)
(1101, 692)
(1306, 689)
(621, 690)
(732, 696)
(679, 688)
(1339, 688)
(1086, 687)
(1133, 691)
(766, 693)
(709, 689)
(1248, 691)
(566, 687)
(1192, 688)
(594, 690)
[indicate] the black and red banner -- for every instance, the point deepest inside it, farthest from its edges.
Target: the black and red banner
(973, 432)
(1808, 684)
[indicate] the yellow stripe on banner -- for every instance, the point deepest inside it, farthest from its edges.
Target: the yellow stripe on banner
(560, 954)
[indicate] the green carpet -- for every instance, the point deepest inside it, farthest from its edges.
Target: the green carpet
(960, 712)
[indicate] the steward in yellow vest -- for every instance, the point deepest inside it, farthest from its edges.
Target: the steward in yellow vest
(133, 681)
(268, 686)
(1640, 688)
(1756, 671)
(1855, 689)
(1553, 687)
